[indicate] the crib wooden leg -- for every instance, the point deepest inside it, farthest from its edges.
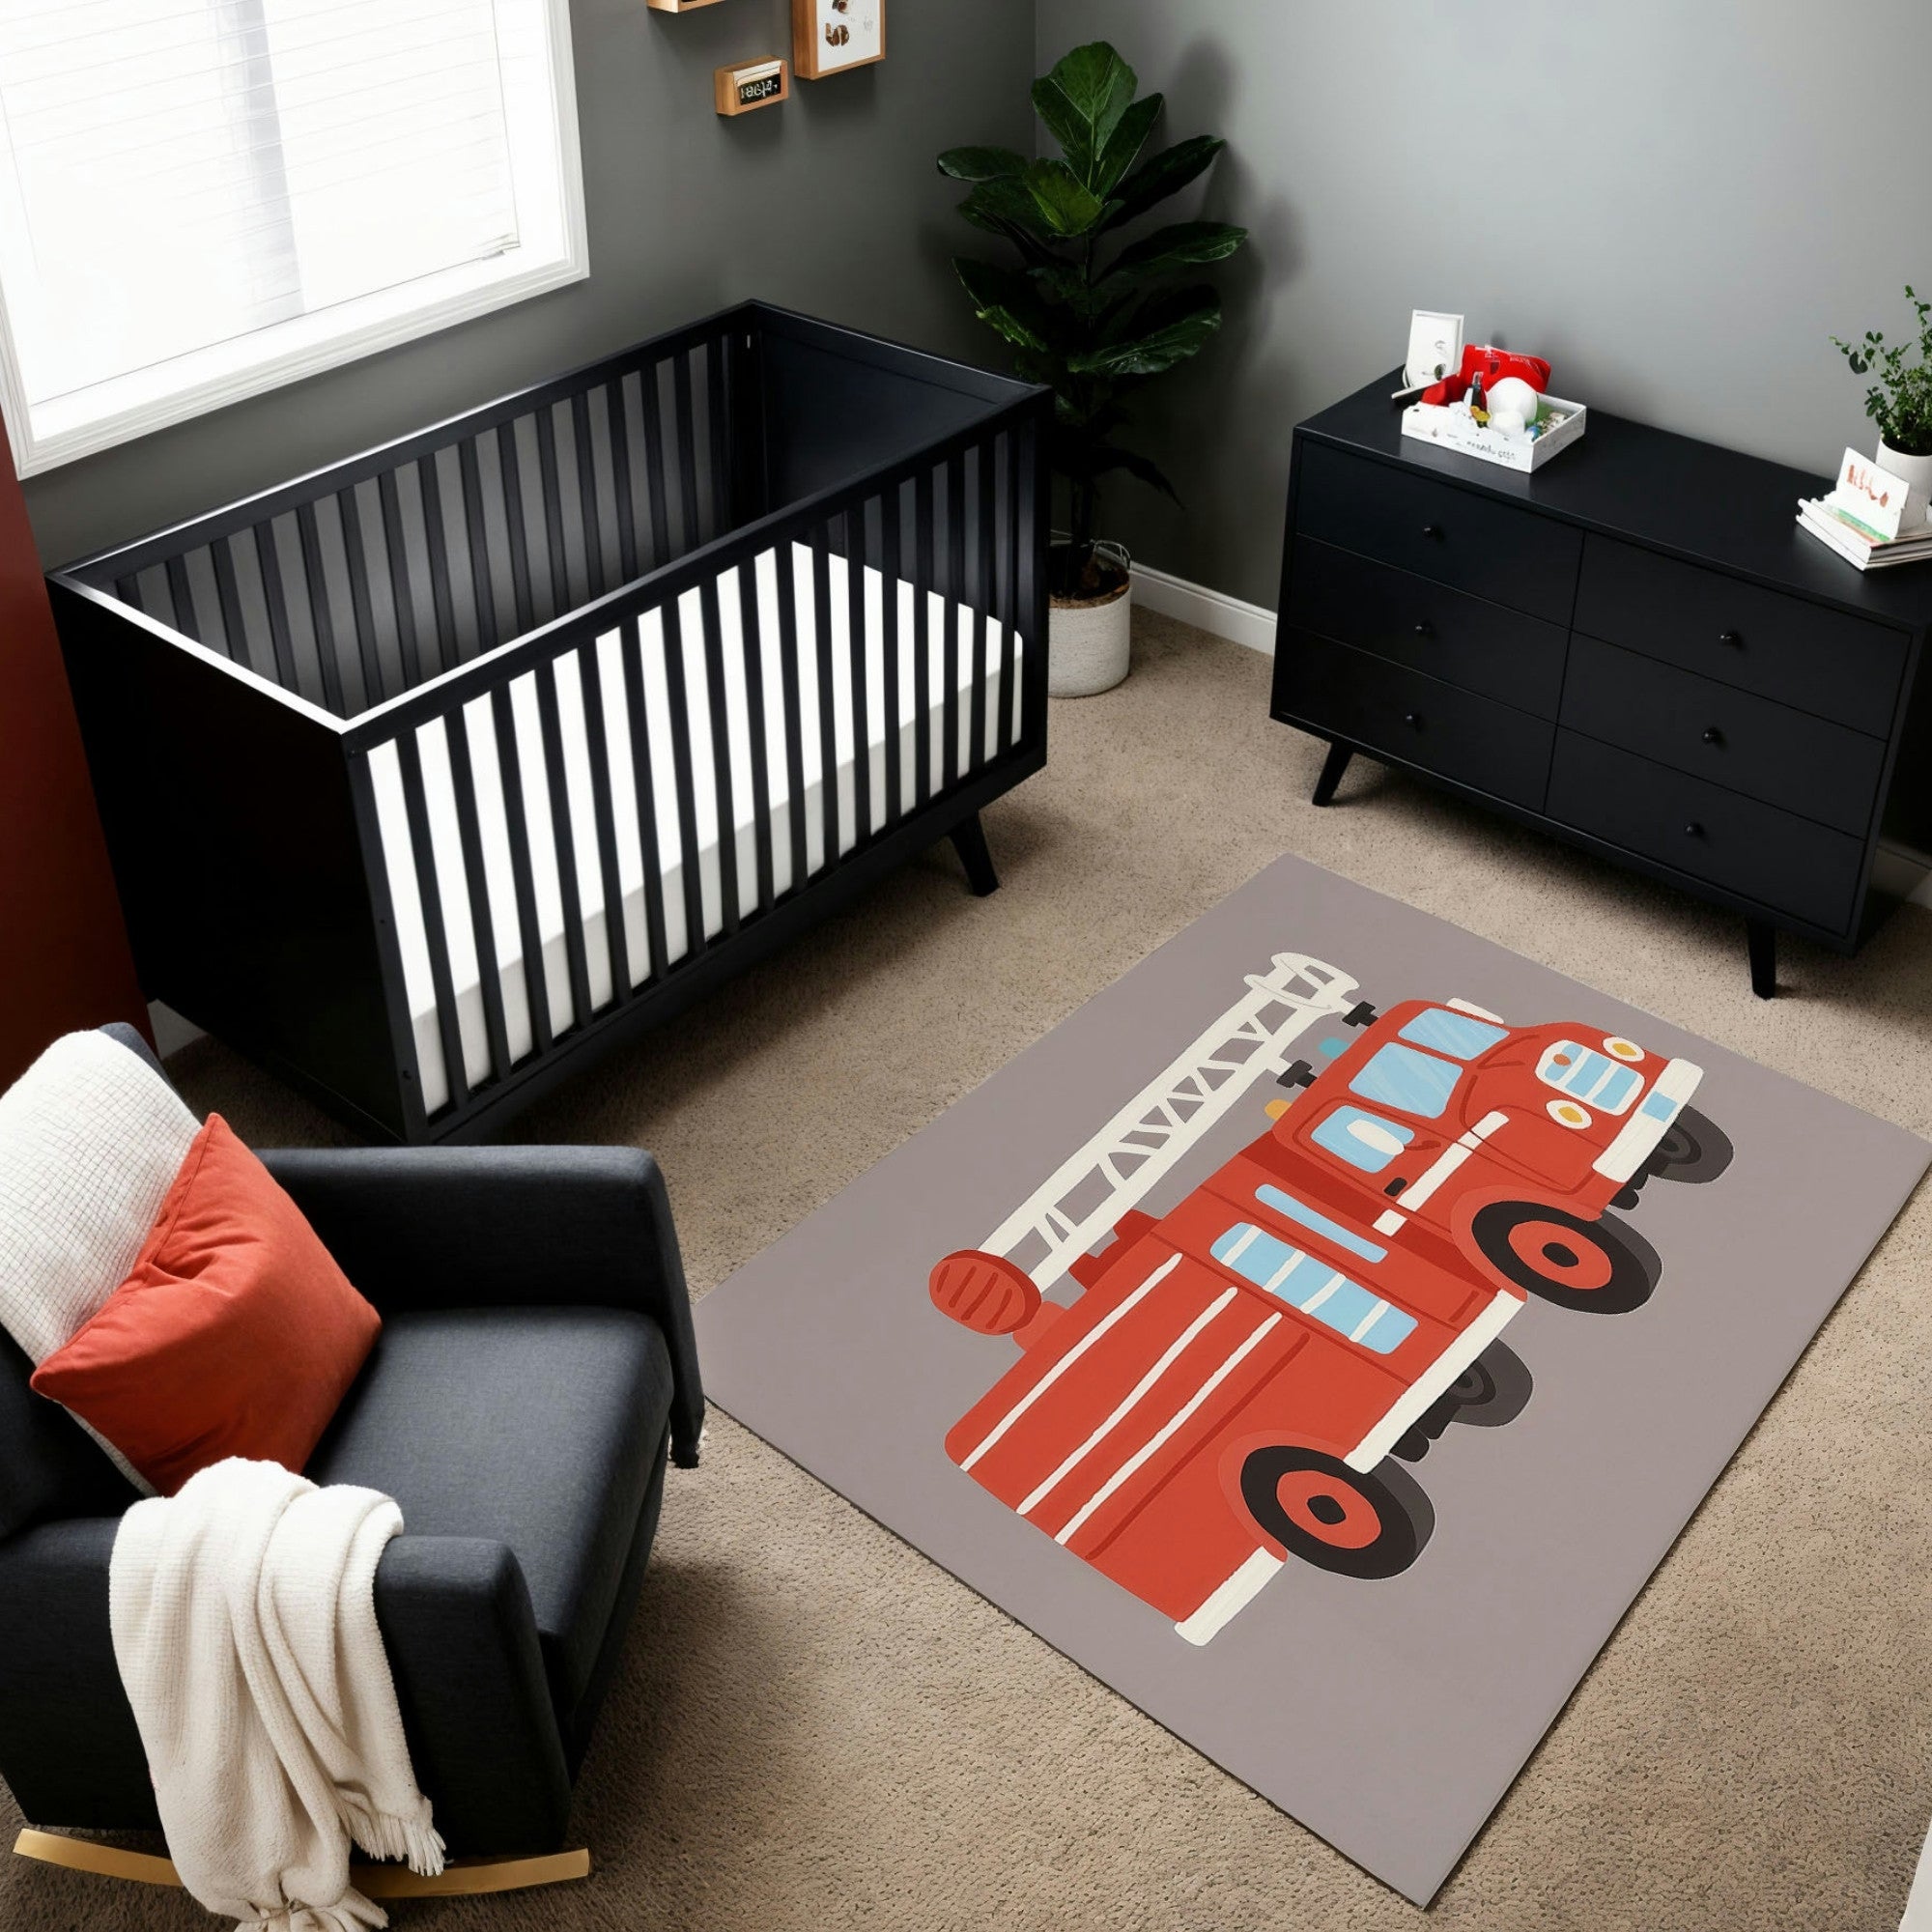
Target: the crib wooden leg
(459, 1878)
(969, 840)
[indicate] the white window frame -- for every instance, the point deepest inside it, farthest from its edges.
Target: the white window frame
(185, 386)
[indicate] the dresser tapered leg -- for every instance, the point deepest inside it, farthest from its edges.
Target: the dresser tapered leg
(1762, 939)
(1333, 768)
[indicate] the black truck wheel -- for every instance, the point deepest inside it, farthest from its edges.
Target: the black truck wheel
(1693, 1148)
(1324, 1513)
(1601, 1266)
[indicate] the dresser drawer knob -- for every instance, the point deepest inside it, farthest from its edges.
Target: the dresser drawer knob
(1413, 719)
(1712, 735)
(1424, 629)
(1694, 830)
(1433, 530)
(1730, 638)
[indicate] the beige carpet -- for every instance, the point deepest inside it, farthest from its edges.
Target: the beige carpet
(816, 1728)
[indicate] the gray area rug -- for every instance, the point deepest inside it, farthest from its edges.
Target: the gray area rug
(1323, 1365)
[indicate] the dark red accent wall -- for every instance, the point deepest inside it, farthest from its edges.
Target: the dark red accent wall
(64, 959)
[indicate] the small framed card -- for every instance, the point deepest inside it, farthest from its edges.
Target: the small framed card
(1435, 347)
(761, 83)
(1871, 498)
(828, 37)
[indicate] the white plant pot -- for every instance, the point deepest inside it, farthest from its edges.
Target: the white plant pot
(1916, 471)
(1088, 643)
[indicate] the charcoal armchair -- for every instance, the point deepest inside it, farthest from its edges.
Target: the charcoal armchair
(535, 1373)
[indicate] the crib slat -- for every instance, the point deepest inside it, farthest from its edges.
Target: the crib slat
(654, 451)
(1032, 610)
(409, 756)
(750, 635)
(553, 508)
(922, 622)
(684, 784)
(129, 590)
(686, 449)
(604, 812)
(470, 475)
(889, 573)
(228, 595)
(269, 563)
(717, 406)
(396, 544)
(954, 631)
(983, 623)
(645, 785)
(509, 467)
(855, 650)
(788, 686)
(589, 517)
(488, 972)
(509, 767)
(362, 611)
(182, 598)
(442, 599)
(564, 838)
(1011, 537)
(828, 729)
(620, 477)
(721, 756)
(320, 618)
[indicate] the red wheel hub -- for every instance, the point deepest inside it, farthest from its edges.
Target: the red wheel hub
(1330, 1509)
(1561, 1254)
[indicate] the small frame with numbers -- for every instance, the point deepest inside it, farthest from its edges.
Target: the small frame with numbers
(830, 36)
(679, 6)
(751, 84)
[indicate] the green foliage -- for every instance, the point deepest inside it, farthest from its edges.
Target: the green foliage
(1094, 322)
(1900, 398)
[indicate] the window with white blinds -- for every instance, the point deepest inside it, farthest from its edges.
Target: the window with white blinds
(200, 199)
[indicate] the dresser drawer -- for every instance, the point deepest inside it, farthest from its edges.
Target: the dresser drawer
(1419, 522)
(1416, 621)
(1833, 665)
(1731, 737)
(1385, 708)
(1755, 851)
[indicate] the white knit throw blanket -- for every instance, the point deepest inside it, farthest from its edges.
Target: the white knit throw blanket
(244, 1626)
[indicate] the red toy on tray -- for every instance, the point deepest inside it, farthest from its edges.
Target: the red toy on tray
(1492, 364)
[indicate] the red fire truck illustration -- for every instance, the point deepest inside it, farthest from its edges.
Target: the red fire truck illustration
(1241, 1380)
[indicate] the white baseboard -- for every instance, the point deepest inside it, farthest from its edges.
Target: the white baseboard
(1210, 611)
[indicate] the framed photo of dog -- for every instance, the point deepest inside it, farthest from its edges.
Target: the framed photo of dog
(832, 36)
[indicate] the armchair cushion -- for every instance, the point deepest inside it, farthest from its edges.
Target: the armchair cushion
(539, 1428)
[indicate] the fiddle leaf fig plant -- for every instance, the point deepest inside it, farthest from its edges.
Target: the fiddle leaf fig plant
(1900, 398)
(1093, 318)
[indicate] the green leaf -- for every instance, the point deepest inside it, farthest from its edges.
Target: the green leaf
(1124, 144)
(1005, 302)
(981, 164)
(1108, 456)
(1167, 330)
(1082, 101)
(1180, 246)
(1065, 205)
(1008, 208)
(1166, 174)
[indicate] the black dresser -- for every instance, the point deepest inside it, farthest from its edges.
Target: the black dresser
(1636, 649)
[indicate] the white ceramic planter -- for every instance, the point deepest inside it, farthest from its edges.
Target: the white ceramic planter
(1090, 640)
(1917, 471)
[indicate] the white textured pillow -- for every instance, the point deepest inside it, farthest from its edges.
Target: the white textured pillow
(90, 1136)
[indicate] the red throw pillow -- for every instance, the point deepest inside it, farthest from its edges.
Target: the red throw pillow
(234, 1335)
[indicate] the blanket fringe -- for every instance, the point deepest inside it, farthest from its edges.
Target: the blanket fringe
(383, 1836)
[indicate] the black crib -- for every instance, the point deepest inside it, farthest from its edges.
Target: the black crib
(428, 773)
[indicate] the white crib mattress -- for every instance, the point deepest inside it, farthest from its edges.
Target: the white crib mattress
(478, 724)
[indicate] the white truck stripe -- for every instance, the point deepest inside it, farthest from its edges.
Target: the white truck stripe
(1232, 1597)
(1416, 1401)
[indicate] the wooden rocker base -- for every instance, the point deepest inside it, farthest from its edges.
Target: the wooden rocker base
(461, 1878)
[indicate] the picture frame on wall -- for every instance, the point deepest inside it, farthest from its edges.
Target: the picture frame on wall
(834, 36)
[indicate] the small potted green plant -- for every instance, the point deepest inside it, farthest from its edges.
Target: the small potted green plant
(1900, 398)
(1093, 318)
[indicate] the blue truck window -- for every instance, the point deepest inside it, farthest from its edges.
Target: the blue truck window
(1453, 1033)
(1363, 1140)
(1315, 1288)
(1410, 1082)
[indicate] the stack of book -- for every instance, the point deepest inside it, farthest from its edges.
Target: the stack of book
(1858, 543)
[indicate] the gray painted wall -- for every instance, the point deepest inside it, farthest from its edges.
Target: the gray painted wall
(1669, 201)
(829, 202)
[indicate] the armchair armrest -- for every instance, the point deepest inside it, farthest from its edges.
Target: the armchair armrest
(462, 1641)
(465, 1227)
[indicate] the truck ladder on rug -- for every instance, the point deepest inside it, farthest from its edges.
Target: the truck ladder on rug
(1089, 1191)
